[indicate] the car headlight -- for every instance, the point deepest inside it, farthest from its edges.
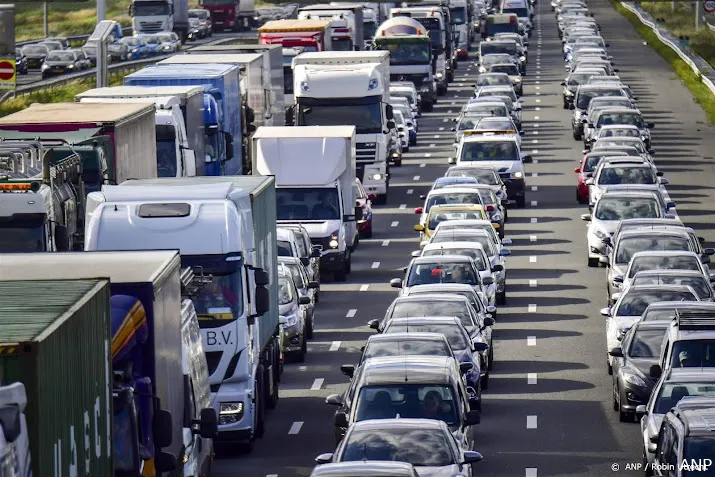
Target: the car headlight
(522, 58)
(634, 380)
(230, 412)
(517, 175)
(569, 93)
(291, 320)
(334, 237)
(438, 76)
(482, 69)
(134, 50)
(517, 80)
(45, 67)
(70, 66)
(377, 177)
(600, 233)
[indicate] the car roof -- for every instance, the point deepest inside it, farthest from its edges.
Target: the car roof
(447, 207)
(407, 336)
(681, 304)
(368, 468)
(446, 258)
(397, 423)
(647, 222)
(649, 232)
(457, 189)
(626, 195)
(441, 287)
(690, 374)
(662, 253)
(619, 111)
(430, 296)
(669, 272)
(456, 244)
(468, 222)
(658, 287)
(498, 138)
(617, 126)
(491, 73)
(407, 369)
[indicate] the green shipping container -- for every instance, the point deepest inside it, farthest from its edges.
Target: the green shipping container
(55, 339)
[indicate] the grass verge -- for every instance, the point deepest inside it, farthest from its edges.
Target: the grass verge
(703, 96)
(59, 94)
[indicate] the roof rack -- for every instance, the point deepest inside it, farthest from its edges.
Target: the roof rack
(695, 319)
(687, 416)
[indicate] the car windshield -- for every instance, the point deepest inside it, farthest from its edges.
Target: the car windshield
(576, 79)
(650, 262)
(629, 246)
(501, 92)
(495, 124)
(646, 343)
(454, 198)
(467, 124)
(671, 393)
(484, 176)
(493, 80)
(693, 354)
(438, 217)
(441, 272)
(490, 151)
(635, 302)
(308, 203)
(60, 56)
(34, 50)
(592, 161)
(493, 48)
(472, 253)
(285, 291)
(479, 111)
(585, 97)
(699, 449)
(366, 117)
(633, 119)
(511, 70)
(416, 308)
(406, 347)
(616, 175)
(443, 182)
(456, 336)
(130, 41)
(612, 102)
(698, 283)
(166, 38)
(619, 132)
(298, 278)
(630, 208)
(419, 447)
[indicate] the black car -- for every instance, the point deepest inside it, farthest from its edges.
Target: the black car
(35, 55)
(411, 387)
(640, 349)
(60, 62)
(20, 62)
(196, 31)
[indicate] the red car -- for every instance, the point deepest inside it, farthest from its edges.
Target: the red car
(590, 162)
(363, 200)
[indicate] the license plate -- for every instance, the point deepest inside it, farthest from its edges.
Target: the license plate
(57, 68)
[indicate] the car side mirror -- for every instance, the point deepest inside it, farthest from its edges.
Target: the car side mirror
(577, 170)
(497, 268)
(705, 259)
(334, 400)
(641, 410)
(418, 228)
(616, 352)
(603, 261)
(670, 205)
(396, 283)
(480, 346)
(416, 253)
(488, 321)
(341, 420)
(418, 210)
(586, 217)
(605, 311)
(422, 197)
(451, 160)
(472, 419)
(664, 181)
(374, 324)
(488, 281)
(324, 459)
(527, 159)
(651, 152)
(464, 368)
(588, 182)
(709, 251)
(304, 300)
(504, 252)
(207, 422)
(348, 370)
(660, 173)
(651, 125)
(506, 241)
(472, 457)
(618, 279)
(655, 371)
(315, 253)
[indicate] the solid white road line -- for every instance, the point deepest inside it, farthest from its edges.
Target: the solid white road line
(317, 384)
(531, 341)
(531, 422)
(532, 308)
(531, 378)
(375, 265)
(336, 344)
(351, 313)
(295, 428)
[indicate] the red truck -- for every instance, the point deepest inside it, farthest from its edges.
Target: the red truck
(234, 15)
(312, 35)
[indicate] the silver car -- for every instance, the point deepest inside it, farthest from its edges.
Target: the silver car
(484, 174)
(305, 288)
(692, 278)
(291, 308)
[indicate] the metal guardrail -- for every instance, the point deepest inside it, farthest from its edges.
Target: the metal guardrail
(125, 31)
(701, 67)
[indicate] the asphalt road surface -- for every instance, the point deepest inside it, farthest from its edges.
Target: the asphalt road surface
(548, 408)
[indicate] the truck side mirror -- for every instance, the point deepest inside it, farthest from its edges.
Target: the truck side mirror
(250, 115)
(62, 239)
(228, 138)
(261, 278)
(208, 423)
(390, 124)
(164, 462)
(162, 428)
(358, 213)
(263, 300)
(389, 113)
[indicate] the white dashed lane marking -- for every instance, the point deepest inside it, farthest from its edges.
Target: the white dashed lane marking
(351, 313)
(531, 378)
(364, 288)
(317, 384)
(532, 283)
(531, 422)
(394, 224)
(532, 238)
(532, 308)
(531, 341)
(336, 344)
(295, 428)
(375, 265)
(385, 243)
(532, 259)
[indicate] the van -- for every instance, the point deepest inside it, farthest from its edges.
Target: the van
(199, 451)
(522, 9)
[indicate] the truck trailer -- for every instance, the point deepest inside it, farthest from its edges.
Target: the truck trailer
(180, 129)
(314, 35)
(117, 143)
(314, 169)
(350, 88)
(350, 34)
(221, 82)
(225, 229)
(234, 15)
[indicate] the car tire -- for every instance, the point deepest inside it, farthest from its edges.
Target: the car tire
(577, 136)
(616, 406)
(566, 105)
(413, 142)
(625, 416)
(485, 381)
(501, 297)
(490, 362)
(310, 328)
(406, 149)
(608, 366)
(501, 232)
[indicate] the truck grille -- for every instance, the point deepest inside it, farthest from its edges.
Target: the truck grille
(151, 27)
(366, 151)
(416, 79)
(213, 358)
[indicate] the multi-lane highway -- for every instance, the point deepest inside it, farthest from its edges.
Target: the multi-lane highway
(548, 408)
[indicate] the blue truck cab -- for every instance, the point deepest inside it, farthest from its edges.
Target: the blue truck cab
(221, 82)
(217, 148)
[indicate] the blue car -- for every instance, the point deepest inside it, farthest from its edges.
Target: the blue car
(153, 44)
(137, 47)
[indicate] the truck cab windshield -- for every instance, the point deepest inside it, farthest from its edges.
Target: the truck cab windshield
(408, 53)
(24, 235)
(459, 15)
(166, 150)
(150, 9)
(435, 32)
(341, 44)
(223, 294)
(369, 29)
(366, 117)
(308, 204)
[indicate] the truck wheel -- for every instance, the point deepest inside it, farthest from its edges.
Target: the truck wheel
(428, 107)
(260, 407)
(277, 360)
(270, 375)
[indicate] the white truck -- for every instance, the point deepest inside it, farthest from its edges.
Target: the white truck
(179, 123)
(154, 16)
(225, 229)
(314, 167)
(348, 32)
(14, 440)
(335, 88)
(462, 28)
(288, 55)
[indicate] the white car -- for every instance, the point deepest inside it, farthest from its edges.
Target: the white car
(446, 196)
(660, 260)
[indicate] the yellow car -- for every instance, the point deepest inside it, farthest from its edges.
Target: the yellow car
(441, 213)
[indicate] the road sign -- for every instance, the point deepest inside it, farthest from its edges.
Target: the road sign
(7, 75)
(709, 6)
